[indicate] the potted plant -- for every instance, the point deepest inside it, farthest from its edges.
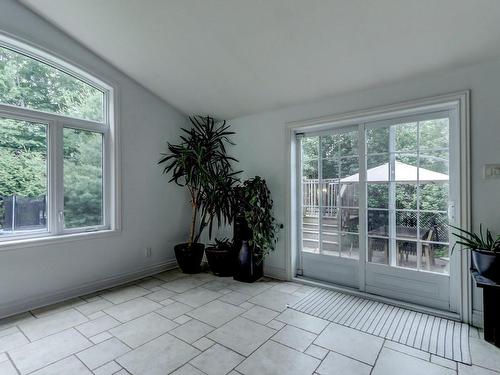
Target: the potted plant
(485, 250)
(255, 229)
(201, 164)
(220, 257)
(220, 203)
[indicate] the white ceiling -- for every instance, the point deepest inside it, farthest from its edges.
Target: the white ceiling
(234, 57)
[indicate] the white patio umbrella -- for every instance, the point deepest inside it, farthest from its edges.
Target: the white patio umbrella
(403, 173)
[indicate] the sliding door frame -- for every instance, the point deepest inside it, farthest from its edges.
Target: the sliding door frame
(460, 288)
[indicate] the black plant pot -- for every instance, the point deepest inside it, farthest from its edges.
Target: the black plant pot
(247, 268)
(189, 257)
(487, 264)
(220, 261)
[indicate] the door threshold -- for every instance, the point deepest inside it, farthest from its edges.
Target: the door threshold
(374, 297)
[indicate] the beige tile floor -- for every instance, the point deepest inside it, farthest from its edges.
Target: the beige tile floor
(201, 324)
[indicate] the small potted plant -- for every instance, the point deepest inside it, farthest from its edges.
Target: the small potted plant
(485, 250)
(220, 257)
(201, 164)
(255, 229)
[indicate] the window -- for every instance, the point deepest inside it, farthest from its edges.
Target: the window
(56, 134)
(403, 167)
(329, 198)
(372, 195)
(407, 183)
(29, 83)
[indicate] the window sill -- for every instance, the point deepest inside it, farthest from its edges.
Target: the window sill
(53, 240)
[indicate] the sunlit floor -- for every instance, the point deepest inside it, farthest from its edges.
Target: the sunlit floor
(202, 324)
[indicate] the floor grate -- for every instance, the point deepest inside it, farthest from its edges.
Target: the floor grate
(442, 337)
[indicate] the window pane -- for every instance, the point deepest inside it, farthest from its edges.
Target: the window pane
(434, 133)
(349, 220)
(378, 195)
(378, 250)
(406, 224)
(349, 245)
(407, 187)
(330, 146)
(329, 192)
(330, 169)
(434, 196)
(349, 195)
(378, 223)
(349, 166)
(434, 226)
(406, 196)
(348, 143)
(310, 169)
(329, 232)
(406, 254)
(406, 137)
(377, 168)
(26, 82)
(310, 231)
(377, 140)
(83, 184)
(310, 197)
(406, 168)
(434, 166)
(435, 257)
(310, 148)
(23, 177)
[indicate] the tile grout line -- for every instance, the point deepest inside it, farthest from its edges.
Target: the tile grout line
(376, 359)
(12, 362)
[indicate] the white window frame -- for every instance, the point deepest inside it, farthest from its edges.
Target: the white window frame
(460, 100)
(55, 123)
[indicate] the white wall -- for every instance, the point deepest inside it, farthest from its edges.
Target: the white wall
(154, 213)
(261, 141)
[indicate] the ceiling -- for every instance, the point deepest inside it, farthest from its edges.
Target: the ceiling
(230, 58)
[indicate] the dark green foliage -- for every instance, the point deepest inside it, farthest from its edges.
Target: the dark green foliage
(200, 162)
(257, 205)
(222, 244)
(469, 240)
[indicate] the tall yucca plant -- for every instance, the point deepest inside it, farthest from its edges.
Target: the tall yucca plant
(200, 163)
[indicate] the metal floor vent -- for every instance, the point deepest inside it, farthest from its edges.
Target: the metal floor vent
(442, 337)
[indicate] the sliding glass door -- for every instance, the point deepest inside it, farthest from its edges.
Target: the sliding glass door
(376, 199)
(330, 207)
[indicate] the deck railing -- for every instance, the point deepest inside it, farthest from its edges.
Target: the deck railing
(311, 191)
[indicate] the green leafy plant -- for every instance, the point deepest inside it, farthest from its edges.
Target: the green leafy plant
(470, 240)
(257, 208)
(222, 244)
(200, 162)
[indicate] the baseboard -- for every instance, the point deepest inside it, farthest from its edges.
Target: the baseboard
(477, 318)
(275, 273)
(27, 304)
